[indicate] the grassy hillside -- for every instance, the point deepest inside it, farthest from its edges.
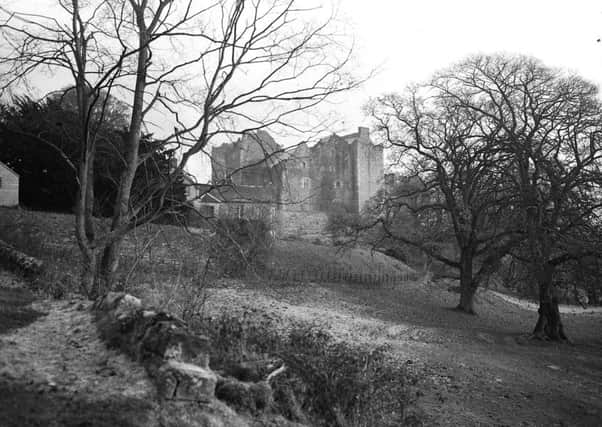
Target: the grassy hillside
(470, 370)
(155, 253)
(304, 261)
(35, 229)
(301, 254)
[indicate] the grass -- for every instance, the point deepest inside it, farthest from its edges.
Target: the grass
(302, 261)
(327, 382)
(151, 254)
(297, 254)
(455, 357)
(156, 255)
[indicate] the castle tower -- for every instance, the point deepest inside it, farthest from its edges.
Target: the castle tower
(369, 167)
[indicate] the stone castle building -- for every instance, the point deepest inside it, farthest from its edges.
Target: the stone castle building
(296, 187)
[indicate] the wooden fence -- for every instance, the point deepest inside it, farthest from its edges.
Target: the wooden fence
(329, 274)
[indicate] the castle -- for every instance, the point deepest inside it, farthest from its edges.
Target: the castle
(296, 187)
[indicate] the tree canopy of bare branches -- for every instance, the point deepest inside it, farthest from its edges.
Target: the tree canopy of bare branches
(509, 150)
(194, 70)
(549, 124)
(452, 184)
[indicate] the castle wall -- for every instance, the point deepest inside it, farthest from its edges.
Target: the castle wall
(370, 171)
(338, 173)
(333, 175)
(251, 165)
(297, 185)
(224, 160)
(322, 177)
(300, 224)
(248, 161)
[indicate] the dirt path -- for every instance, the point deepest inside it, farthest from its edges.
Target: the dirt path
(475, 370)
(564, 309)
(55, 371)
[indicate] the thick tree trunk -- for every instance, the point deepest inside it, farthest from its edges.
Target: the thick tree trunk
(467, 285)
(466, 304)
(549, 325)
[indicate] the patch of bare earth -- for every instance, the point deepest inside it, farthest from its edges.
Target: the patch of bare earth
(55, 371)
(482, 370)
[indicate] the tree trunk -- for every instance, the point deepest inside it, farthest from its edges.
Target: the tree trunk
(89, 198)
(109, 264)
(122, 208)
(549, 325)
(89, 280)
(466, 304)
(467, 285)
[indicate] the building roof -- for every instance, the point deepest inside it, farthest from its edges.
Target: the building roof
(234, 194)
(5, 166)
(361, 134)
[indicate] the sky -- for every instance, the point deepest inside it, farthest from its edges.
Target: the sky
(409, 40)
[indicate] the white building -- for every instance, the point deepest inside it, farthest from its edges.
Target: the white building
(9, 186)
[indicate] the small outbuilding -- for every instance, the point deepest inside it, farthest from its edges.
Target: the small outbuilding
(9, 186)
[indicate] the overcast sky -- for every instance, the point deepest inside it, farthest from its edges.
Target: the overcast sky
(408, 40)
(413, 39)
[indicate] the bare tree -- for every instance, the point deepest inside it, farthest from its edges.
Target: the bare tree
(206, 69)
(453, 187)
(549, 124)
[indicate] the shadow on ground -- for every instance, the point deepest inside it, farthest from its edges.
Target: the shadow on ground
(14, 310)
(26, 405)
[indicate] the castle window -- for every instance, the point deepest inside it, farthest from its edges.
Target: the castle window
(305, 183)
(303, 165)
(337, 184)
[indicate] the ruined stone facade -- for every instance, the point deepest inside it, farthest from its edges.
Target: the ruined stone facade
(299, 186)
(337, 173)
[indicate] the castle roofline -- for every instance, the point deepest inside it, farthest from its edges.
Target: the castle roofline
(362, 133)
(262, 137)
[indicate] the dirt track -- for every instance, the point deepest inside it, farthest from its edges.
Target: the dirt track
(55, 371)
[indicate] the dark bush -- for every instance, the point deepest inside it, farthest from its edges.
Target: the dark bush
(330, 382)
(346, 384)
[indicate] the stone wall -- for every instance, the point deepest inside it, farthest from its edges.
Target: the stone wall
(16, 260)
(175, 359)
(300, 224)
(370, 171)
(338, 173)
(190, 393)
